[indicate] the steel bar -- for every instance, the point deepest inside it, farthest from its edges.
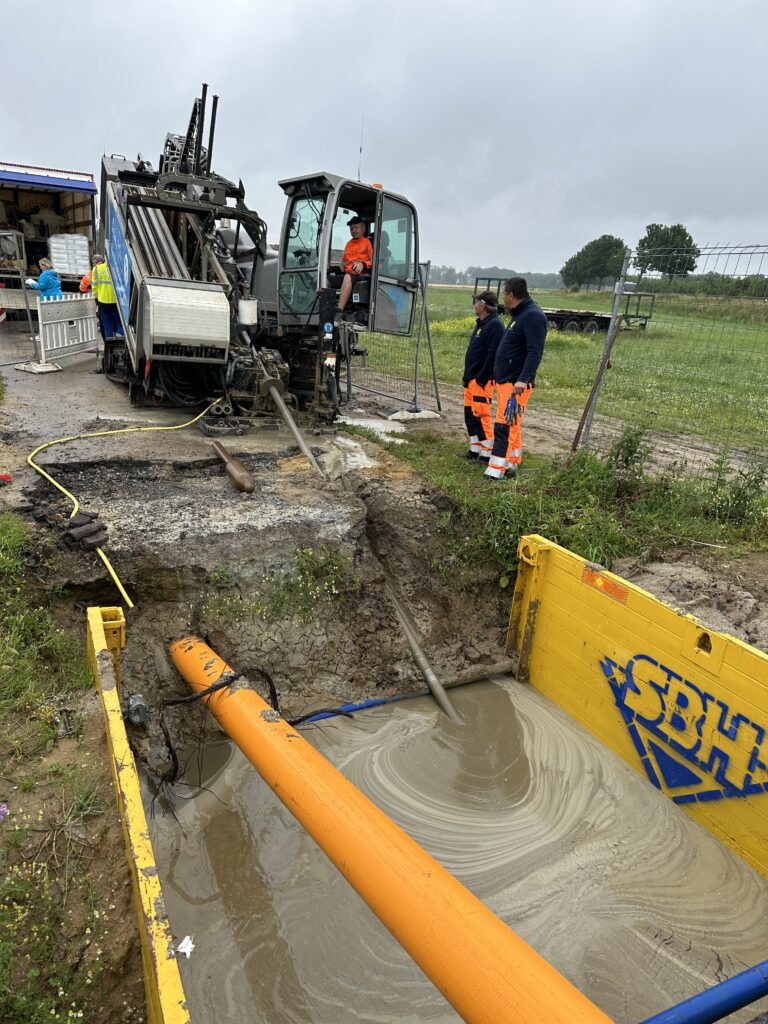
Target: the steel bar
(434, 684)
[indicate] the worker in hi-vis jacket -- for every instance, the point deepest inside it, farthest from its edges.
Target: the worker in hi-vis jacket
(517, 359)
(478, 377)
(106, 300)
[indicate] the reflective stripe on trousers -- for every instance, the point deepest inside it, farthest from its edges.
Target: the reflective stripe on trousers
(477, 417)
(507, 437)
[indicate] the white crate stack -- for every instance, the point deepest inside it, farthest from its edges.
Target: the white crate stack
(69, 254)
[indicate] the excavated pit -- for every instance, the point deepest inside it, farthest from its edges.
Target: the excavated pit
(566, 843)
(199, 557)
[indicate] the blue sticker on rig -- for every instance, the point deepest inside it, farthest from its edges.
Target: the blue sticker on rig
(328, 328)
(691, 745)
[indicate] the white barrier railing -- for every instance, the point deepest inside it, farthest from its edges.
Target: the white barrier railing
(67, 325)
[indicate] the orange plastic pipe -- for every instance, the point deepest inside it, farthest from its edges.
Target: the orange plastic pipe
(486, 971)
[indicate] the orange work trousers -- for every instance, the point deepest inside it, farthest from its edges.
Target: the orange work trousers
(507, 449)
(477, 417)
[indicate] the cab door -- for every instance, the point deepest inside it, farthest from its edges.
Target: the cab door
(395, 266)
(300, 256)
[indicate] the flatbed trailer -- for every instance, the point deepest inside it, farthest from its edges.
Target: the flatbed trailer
(637, 311)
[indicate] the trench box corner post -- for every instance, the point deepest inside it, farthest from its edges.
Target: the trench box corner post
(165, 995)
(686, 706)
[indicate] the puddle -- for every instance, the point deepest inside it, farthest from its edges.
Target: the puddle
(613, 884)
(384, 428)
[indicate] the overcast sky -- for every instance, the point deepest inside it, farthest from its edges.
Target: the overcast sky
(519, 130)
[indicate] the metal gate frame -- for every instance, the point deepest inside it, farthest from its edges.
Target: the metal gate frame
(67, 326)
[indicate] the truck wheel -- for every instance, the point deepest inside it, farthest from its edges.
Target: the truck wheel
(553, 325)
(592, 327)
(572, 327)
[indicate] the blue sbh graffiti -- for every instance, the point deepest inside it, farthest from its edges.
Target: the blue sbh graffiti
(690, 743)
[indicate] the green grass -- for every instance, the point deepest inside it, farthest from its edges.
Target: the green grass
(319, 576)
(603, 509)
(46, 921)
(699, 368)
(38, 660)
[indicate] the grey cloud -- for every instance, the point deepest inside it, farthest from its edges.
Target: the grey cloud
(519, 131)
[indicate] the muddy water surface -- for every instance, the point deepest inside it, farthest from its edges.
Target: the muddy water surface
(607, 879)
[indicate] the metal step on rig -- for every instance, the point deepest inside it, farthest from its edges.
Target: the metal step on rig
(211, 313)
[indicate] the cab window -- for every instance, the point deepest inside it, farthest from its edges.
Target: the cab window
(397, 251)
(302, 243)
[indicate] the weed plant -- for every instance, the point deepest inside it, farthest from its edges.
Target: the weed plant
(38, 661)
(319, 576)
(601, 508)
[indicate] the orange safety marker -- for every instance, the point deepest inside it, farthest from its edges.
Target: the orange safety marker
(486, 971)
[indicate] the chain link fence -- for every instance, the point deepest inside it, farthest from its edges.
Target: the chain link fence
(399, 368)
(695, 377)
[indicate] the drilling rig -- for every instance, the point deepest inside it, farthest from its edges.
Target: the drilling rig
(211, 313)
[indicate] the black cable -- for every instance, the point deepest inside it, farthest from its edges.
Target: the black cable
(319, 711)
(221, 683)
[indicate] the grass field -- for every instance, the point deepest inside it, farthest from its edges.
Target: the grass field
(700, 367)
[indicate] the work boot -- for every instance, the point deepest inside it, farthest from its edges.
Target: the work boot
(469, 455)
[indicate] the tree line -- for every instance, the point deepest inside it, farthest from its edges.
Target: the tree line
(450, 275)
(666, 249)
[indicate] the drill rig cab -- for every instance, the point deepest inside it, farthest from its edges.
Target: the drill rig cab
(313, 238)
(211, 311)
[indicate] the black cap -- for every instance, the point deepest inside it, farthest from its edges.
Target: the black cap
(489, 298)
(355, 220)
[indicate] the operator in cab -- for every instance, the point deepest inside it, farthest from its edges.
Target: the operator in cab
(357, 259)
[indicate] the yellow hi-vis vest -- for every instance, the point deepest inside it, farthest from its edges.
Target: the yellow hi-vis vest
(101, 284)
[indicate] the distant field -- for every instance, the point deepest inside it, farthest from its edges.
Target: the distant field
(700, 368)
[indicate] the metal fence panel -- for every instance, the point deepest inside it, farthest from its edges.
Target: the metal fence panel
(400, 368)
(695, 377)
(67, 326)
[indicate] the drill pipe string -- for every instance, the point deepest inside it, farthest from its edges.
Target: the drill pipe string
(73, 499)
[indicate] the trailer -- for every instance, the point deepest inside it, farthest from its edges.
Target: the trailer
(637, 311)
(54, 211)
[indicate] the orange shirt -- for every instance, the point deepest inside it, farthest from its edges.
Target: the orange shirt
(358, 249)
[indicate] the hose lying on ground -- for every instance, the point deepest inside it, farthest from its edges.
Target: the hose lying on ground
(73, 499)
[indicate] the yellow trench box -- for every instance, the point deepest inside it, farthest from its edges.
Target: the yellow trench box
(684, 705)
(162, 982)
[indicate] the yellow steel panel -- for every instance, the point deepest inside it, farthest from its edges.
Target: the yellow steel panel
(622, 637)
(685, 705)
(165, 995)
(699, 717)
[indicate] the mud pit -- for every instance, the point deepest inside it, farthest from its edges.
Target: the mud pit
(612, 883)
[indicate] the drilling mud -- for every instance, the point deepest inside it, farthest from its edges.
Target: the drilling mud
(614, 885)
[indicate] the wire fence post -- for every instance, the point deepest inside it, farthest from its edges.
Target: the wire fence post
(585, 426)
(423, 272)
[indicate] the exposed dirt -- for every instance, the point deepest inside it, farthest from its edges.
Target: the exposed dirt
(199, 557)
(728, 594)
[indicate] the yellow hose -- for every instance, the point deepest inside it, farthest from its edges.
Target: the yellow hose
(73, 499)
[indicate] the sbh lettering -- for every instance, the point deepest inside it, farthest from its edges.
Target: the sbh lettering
(723, 742)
